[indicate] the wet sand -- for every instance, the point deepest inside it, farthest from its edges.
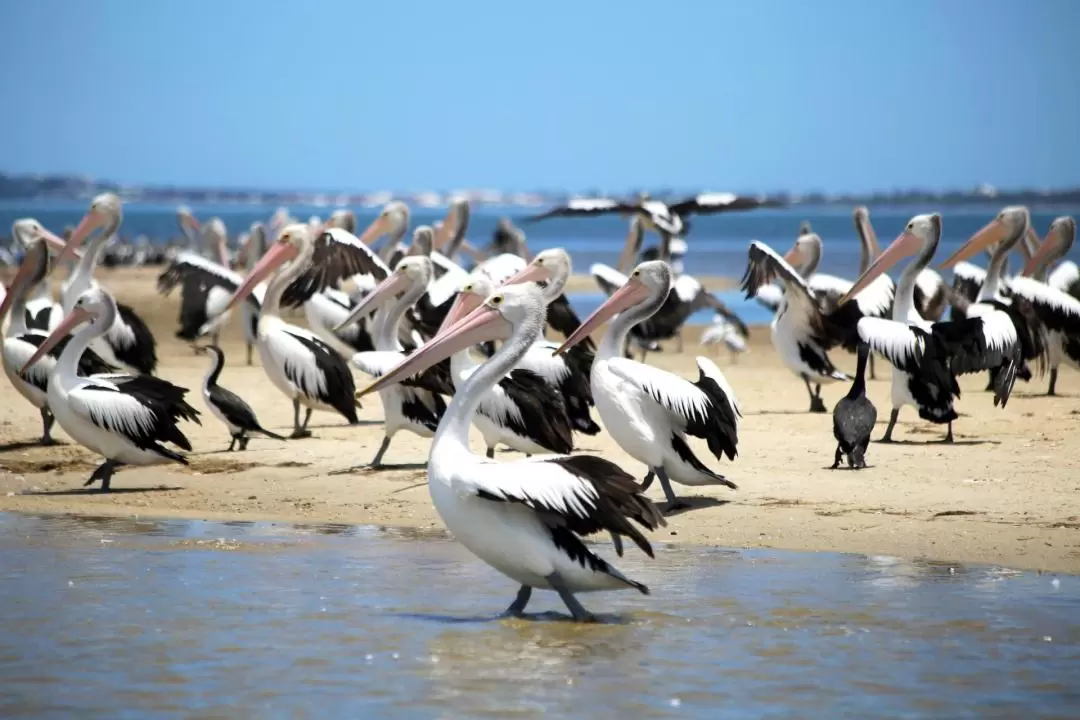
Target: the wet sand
(1007, 492)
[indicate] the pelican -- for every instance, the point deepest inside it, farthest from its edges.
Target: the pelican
(1057, 306)
(303, 367)
(226, 405)
(206, 284)
(126, 418)
(18, 344)
(40, 310)
(128, 342)
(926, 356)
(649, 411)
(524, 518)
(415, 409)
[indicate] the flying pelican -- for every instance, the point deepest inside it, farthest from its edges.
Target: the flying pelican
(524, 518)
(302, 366)
(411, 408)
(927, 356)
(18, 344)
(128, 343)
(649, 411)
(226, 405)
(125, 418)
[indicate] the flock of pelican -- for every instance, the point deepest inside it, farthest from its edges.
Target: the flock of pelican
(447, 349)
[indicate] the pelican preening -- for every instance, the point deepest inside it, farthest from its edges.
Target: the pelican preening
(226, 405)
(524, 518)
(125, 418)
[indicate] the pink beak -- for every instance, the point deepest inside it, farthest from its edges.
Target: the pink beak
(634, 292)
(905, 245)
(91, 221)
(394, 284)
(75, 318)
(274, 258)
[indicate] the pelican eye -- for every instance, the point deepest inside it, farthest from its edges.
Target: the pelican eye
(636, 273)
(539, 261)
(467, 288)
(497, 300)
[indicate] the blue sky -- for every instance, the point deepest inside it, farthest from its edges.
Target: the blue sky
(722, 94)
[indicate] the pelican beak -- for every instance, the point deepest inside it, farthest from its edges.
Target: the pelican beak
(446, 230)
(391, 287)
(1038, 259)
(531, 273)
(91, 221)
(464, 303)
(906, 245)
(632, 246)
(990, 235)
(794, 257)
(75, 318)
(376, 229)
(25, 275)
(275, 257)
(632, 293)
(56, 244)
(481, 325)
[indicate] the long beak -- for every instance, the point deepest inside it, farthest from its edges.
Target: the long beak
(374, 231)
(794, 257)
(274, 258)
(18, 284)
(483, 324)
(91, 221)
(990, 235)
(75, 318)
(1036, 261)
(447, 229)
(632, 293)
(531, 273)
(632, 246)
(56, 244)
(390, 287)
(464, 303)
(903, 246)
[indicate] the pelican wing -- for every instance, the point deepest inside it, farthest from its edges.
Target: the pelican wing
(207, 273)
(764, 266)
(1058, 310)
(1066, 278)
(144, 409)
(585, 206)
(338, 255)
(583, 494)
(502, 267)
(710, 203)
(707, 409)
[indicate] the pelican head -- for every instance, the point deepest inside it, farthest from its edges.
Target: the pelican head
(27, 231)
(920, 236)
(471, 295)
(343, 218)
(1007, 228)
(106, 212)
(32, 270)
(506, 310)
(805, 254)
(293, 241)
(188, 224)
(455, 225)
(1057, 244)
(648, 285)
(551, 266)
(411, 274)
(393, 220)
(423, 241)
(95, 305)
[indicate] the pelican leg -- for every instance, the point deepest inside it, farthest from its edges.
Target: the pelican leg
(871, 359)
(679, 342)
(307, 418)
(249, 349)
(47, 421)
(377, 461)
(648, 480)
(948, 435)
(299, 431)
(103, 473)
(232, 445)
(673, 502)
(1052, 390)
(816, 404)
(490, 453)
(892, 423)
(517, 608)
(837, 459)
(580, 613)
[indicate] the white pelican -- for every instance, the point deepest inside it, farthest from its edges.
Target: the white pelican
(649, 411)
(126, 418)
(18, 344)
(926, 356)
(41, 311)
(206, 284)
(227, 406)
(524, 517)
(128, 343)
(1057, 306)
(302, 366)
(720, 331)
(411, 408)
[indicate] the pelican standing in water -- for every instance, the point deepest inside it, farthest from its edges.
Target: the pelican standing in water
(649, 411)
(126, 418)
(524, 518)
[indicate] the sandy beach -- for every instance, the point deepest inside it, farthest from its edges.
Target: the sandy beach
(1007, 492)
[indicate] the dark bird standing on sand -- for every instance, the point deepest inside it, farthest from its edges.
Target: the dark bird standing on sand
(853, 418)
(227, 406)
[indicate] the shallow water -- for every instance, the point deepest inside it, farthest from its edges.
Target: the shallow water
(129, 618)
